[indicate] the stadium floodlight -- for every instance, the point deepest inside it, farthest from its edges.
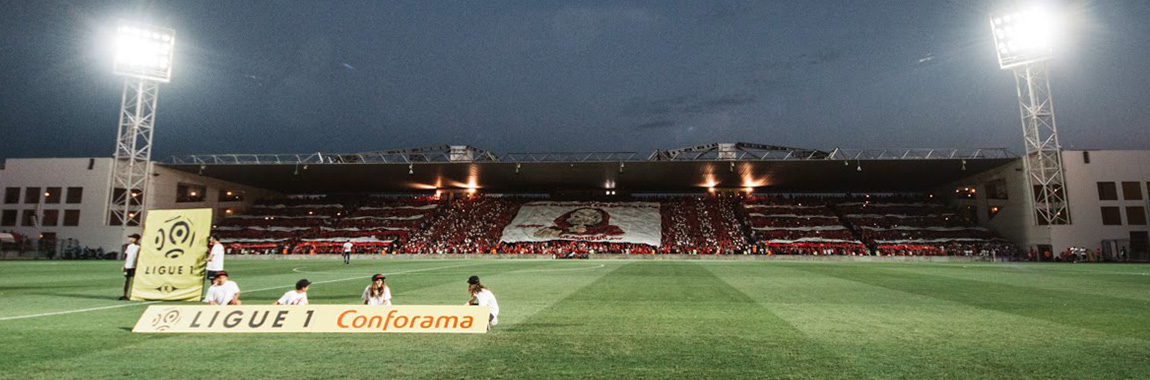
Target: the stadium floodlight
(144, 52)
(1023, 36)
(1024, 39)
(144, 58)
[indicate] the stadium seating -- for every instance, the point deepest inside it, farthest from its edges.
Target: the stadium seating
(803, 224)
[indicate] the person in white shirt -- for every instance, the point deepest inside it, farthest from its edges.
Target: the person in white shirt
(215, 257)
(131, 254)
(297, 296)
(377, 293)
(481, 296)
(223, 291)
(347, 252)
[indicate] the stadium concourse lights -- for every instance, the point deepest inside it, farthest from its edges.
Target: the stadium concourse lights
(144, 52)
(1024, 35)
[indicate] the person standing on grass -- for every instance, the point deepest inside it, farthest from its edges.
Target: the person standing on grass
(223, 291)
(347, 246)
(215, 257)
(481, 296)
(377, 293)
(297, 296)
(131, 253)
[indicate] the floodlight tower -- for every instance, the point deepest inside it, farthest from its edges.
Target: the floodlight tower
(144, 59)
(1023, 38)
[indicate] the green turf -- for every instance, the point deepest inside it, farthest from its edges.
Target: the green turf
(619, 319)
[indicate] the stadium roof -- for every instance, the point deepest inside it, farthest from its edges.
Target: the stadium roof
(691, 169)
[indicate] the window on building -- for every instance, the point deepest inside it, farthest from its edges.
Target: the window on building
(71, 218)
(1136, 216)
(1132, 191)
(1086, 157)
(996, 189)
(1107, 191)
(52, 195)
(1111, 216)
(231, 195)
(50, 218)
(31, 195)
(11, 195)
(190, 193)
(28, 219)
(8, 218)
(75, 195)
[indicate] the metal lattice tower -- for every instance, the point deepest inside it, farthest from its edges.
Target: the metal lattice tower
(1043, 153)
(131, 169)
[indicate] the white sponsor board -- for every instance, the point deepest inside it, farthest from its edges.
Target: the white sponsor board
(604, 222)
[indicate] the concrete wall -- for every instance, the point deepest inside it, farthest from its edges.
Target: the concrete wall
(93, 230)
(64, 173)
(1015, 220)
(1086, 229)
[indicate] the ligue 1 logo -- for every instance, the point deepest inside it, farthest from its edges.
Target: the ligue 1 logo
(165, 319)
(175, 232)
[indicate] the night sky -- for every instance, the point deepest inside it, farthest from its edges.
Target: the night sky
(308, 76)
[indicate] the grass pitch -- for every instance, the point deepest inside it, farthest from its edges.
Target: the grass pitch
(617, 319)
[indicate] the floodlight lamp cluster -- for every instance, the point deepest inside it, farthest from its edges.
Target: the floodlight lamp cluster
(144, 52)
(1023, 36)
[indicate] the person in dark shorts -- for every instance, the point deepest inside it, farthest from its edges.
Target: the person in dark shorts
(131, 254)
(215, 257)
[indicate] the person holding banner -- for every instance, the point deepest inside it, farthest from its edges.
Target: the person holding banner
(223, 291)
(481, 296)
(215, 258)
(131, 253)
(297, 296)
(377, 293)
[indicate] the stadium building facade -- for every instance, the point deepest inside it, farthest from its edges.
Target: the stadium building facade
(59, 200)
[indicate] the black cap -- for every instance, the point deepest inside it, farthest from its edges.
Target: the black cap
(221, 273)
(378, 276)
(302, 283)
(473, 280)
(135, 236)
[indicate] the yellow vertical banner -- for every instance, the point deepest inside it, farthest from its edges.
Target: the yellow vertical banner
(172, 255)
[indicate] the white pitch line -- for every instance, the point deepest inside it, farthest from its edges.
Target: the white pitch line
(77, 311)
(554, 270)
(249, 291)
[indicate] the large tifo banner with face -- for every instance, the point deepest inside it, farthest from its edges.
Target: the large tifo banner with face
(606, 222)
(313, 319)
(172, 256)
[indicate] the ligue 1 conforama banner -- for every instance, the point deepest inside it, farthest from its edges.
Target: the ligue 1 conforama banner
(313, 319)
(604, 222)
(172, 256)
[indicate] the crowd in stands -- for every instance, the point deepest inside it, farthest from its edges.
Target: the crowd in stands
(322, 224)
(915, 227)
(702, 225)
(782, 224)
(787, 225)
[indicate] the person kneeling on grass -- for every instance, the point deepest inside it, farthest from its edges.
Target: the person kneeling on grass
(223, 291)
(297, 296)
(481, 296)
(377, 293)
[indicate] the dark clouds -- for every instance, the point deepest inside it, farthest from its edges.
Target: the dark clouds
(295, 76)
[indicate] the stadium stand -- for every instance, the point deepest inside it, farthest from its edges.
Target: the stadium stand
(784, 224)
